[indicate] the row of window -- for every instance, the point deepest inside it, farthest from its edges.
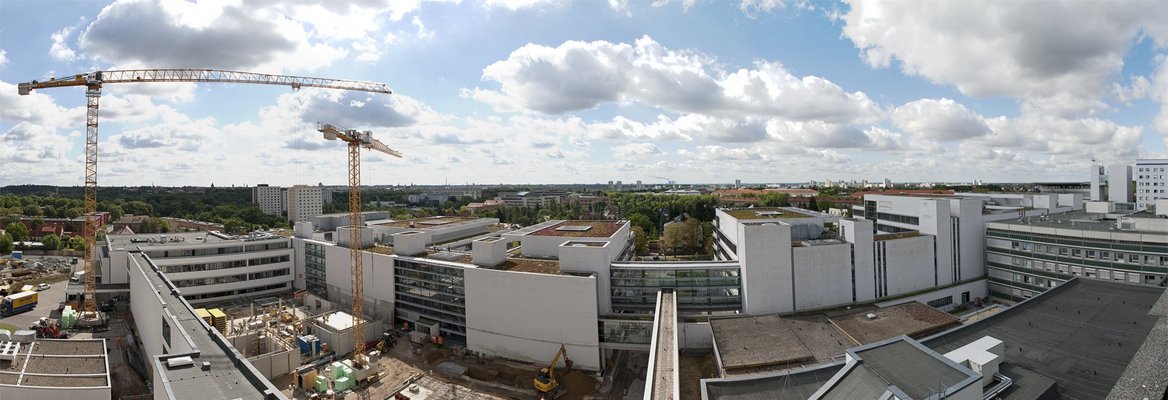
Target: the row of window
(226, 293)
(218, 280)
(170, 269)
(1075, 270)
(212, 251)
(1091, 254)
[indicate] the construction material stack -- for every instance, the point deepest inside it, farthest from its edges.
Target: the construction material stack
(68, 317)
(205, 315)
(218, 320)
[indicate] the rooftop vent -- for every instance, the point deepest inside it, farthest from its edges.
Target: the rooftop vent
(178, 362)
(871, 316)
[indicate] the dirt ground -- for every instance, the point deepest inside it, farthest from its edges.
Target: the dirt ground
(694, 368)
(505, 379)
(125, 381)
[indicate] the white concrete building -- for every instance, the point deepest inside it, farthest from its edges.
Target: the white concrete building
(304, 202)
(270, 199)
(1151, 176)
(792, 260)
(207, 266)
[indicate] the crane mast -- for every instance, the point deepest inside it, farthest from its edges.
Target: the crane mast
(356, 140)
(93, 81)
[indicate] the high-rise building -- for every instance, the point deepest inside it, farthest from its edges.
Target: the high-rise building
(270, 199)
(304, 202)
(1151, 176)
(1119, 183)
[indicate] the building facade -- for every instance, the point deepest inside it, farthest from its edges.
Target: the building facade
(1151, 177)
(270, 199)
(304, 202)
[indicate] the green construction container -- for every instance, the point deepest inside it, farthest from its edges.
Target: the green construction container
(343, 384)
(321, 384)
(338, 370)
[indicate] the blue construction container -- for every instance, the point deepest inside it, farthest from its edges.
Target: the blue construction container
(308, 344)
(17, 254)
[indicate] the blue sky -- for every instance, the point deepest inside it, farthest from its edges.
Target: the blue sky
(534, 91)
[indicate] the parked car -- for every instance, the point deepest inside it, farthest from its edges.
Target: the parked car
(43, 286)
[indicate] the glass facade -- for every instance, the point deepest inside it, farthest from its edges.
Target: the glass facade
(708, 289)
(314, 269)
(434, 291)
(626, 331)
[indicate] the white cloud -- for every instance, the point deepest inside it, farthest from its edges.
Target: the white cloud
(228, 35)
(1159, 92)
(1056, 55)
(514, 5)
(37, 108)
(819, 134)
(60, 50)
(3, 57)
(582, 75)
(939, 119)
(720, 153)
(636, 150)
(422, 33)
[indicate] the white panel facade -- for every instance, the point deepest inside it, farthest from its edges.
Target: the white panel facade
(910, 264)
(823, 275)
(527, 316)
(765, 254)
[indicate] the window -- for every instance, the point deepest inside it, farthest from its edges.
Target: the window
(1105, 256)
(1062, 251)
(1091, 254)
(1077, 253)
(941, 302)
(1134, 258)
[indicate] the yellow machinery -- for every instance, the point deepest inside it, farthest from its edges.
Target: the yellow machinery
(356, 141)
(545, 382)
(93, 81)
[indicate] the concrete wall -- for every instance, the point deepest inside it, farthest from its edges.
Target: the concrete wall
(970, 239)
(823, 275)
(976, 289)
(272, 365)
(859, 233)
(595, 260)
(377, 275)
(765, 254)
(54, 393)
(548, 246)
(910, 264)
(526, 316)
(935, 219)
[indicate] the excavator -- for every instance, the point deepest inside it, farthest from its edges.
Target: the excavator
(545, 382)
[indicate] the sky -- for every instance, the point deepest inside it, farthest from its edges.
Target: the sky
(535, 91)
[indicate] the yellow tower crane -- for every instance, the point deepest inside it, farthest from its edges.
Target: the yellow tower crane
(93, 81)
(356, 141)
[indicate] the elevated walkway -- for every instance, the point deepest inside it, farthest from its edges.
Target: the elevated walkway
(661, 380)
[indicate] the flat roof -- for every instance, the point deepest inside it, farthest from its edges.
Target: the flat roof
(910, 319)
(914, 369)
(183, 238)
(1079, 220)
(798, 385)
(758, 341)
(766, 213)
(1082, 334)
(427, 222)
(338, 321)
(595, 229)
(894, 236)
(71, 363)
(530, 265)
(231, 376)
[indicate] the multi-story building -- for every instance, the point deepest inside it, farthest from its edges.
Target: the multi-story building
(1151, 176)
(531, 199)
(1027, 256)
(208, 266)
(270, 199)
(304, 202)
(791, 260)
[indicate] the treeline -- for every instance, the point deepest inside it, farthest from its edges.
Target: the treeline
(229, 206)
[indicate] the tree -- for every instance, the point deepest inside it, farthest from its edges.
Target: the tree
(812, 204)
(638, 219)
(77, 243)
(37, 223)
(825, 205)
(640, 239)
(51, 242)
(775, 200)
(235, 226)
(5, 243)
(17, 231)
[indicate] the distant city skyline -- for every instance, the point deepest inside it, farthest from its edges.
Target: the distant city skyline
(589, 92)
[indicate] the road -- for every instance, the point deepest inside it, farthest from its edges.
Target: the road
(46, 304)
